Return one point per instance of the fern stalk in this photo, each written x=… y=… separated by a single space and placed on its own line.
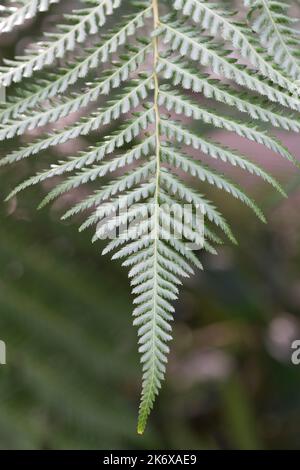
x=149 y=389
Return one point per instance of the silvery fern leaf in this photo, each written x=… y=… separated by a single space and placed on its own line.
x=18 y=16
x=140 y=79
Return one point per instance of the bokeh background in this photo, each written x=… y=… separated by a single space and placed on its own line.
x=72 y=378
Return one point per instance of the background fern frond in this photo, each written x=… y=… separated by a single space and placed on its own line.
x=275 y=28
x=18 y=16
x=87 y=21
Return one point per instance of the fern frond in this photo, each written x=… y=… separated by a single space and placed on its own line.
x=45 y=88
x=219 y=21
x=131 y=97
x=181 y=134
x=190 y=79
x=61 y=168
x=185 y=40
x=270 y=20
x=87 y=21
x=127 y=182
x=18 y=16
x=176 y=187
x=204 y=173
x=111 y=79
x=173 y=100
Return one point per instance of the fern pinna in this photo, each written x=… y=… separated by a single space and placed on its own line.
x=135 y=79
